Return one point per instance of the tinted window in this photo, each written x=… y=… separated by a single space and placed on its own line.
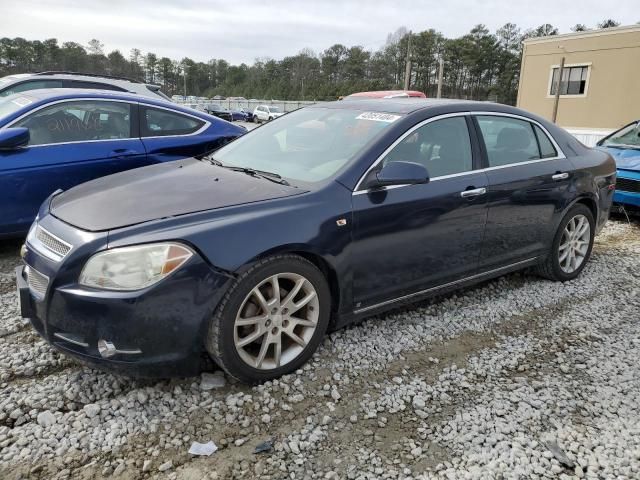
x=157 y=122
x=508 y=140
x=31 y=85
x=443 y=147
x=78 y=122
x=547 y=150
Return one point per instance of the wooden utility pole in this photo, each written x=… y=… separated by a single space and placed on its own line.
x=440 y=76
x=407 y=68
x=557 y=99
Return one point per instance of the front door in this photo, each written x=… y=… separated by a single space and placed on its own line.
x=415 y=237
x=528 y=186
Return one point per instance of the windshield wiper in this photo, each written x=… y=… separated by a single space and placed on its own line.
x=621 y=146
x=274 y=177
x=271 y=176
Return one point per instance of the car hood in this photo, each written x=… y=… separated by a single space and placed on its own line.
x=160 y=191
x=626 y=158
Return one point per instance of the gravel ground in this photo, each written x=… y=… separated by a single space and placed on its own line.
x=516 y=378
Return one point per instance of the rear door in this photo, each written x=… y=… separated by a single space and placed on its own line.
x=170 y=135
x=529 y=178
x=71 y=142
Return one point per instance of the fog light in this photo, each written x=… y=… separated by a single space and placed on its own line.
x=106 y=349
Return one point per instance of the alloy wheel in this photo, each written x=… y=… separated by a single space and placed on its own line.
x=276 y=321
x=574 y=244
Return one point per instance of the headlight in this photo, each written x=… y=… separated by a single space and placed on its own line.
x=132 y=268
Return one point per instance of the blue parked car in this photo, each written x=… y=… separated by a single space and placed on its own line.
x=624 y=146
x=331 y=213
x=55 y=139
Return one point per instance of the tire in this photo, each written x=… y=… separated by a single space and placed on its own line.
x=270 y=118
x=256 y=119
x=238 y=349
x=552 y=267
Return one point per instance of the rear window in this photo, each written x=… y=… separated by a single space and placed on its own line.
x=158 y=122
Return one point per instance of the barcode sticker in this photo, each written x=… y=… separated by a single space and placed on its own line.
x=378 y=117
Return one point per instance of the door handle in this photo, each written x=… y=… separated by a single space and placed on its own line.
x=559 y=176
x=473 y=193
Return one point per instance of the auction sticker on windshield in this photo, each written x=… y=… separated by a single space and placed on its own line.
x=378 y=117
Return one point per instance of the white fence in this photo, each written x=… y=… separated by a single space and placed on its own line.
x=588 y=136
x=248 y=105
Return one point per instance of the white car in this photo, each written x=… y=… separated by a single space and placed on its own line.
x=265 y=113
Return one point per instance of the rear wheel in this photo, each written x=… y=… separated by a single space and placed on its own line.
x=272 y=319
x=571 y=247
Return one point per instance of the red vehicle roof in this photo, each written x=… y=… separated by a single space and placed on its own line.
x=389 y=94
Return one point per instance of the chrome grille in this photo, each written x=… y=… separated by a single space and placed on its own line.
x=37 y=282
x=51 y=243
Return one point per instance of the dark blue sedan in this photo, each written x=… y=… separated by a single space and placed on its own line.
x=55 y=139
x=332 y=213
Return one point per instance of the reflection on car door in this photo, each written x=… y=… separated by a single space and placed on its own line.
x=415 y=237
x=528 y=183
x=71 y=143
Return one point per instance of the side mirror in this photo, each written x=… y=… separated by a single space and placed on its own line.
x=14 y=138
x=397 y=173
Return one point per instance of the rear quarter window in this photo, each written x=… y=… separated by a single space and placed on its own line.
x=157 y=122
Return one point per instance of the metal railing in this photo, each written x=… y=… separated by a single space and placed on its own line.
x=248 y=105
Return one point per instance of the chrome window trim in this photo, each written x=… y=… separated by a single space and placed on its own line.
x=559 y=156
x=206 y=125
x=444 y=285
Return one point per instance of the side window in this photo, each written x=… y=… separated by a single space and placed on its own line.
x=547 y=150
x=158 y=123
x=443 y=147
x=31 y=85
x=78 y=122
x=508 y=140
x=94 y=85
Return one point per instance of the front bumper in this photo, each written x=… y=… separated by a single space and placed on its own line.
x=159 y=331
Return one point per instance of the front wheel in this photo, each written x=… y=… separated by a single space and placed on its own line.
x=271 y=320
x=571 y=247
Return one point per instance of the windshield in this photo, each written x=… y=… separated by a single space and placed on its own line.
x=627 y=136
x=309 y=145
x=12 y=104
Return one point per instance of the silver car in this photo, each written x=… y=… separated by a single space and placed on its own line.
x=32 y=81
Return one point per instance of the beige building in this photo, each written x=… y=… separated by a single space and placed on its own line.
x=600 y=88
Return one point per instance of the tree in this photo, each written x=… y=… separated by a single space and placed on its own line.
x=579 y=27
x=95 y=47
x=608 y=23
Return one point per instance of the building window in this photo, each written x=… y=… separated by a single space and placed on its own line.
x=574 y=80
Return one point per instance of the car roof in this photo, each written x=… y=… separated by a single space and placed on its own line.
x=408 y=105
x=387 y=93
x=48 y=94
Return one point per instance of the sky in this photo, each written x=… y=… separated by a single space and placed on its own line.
x=241 y=31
